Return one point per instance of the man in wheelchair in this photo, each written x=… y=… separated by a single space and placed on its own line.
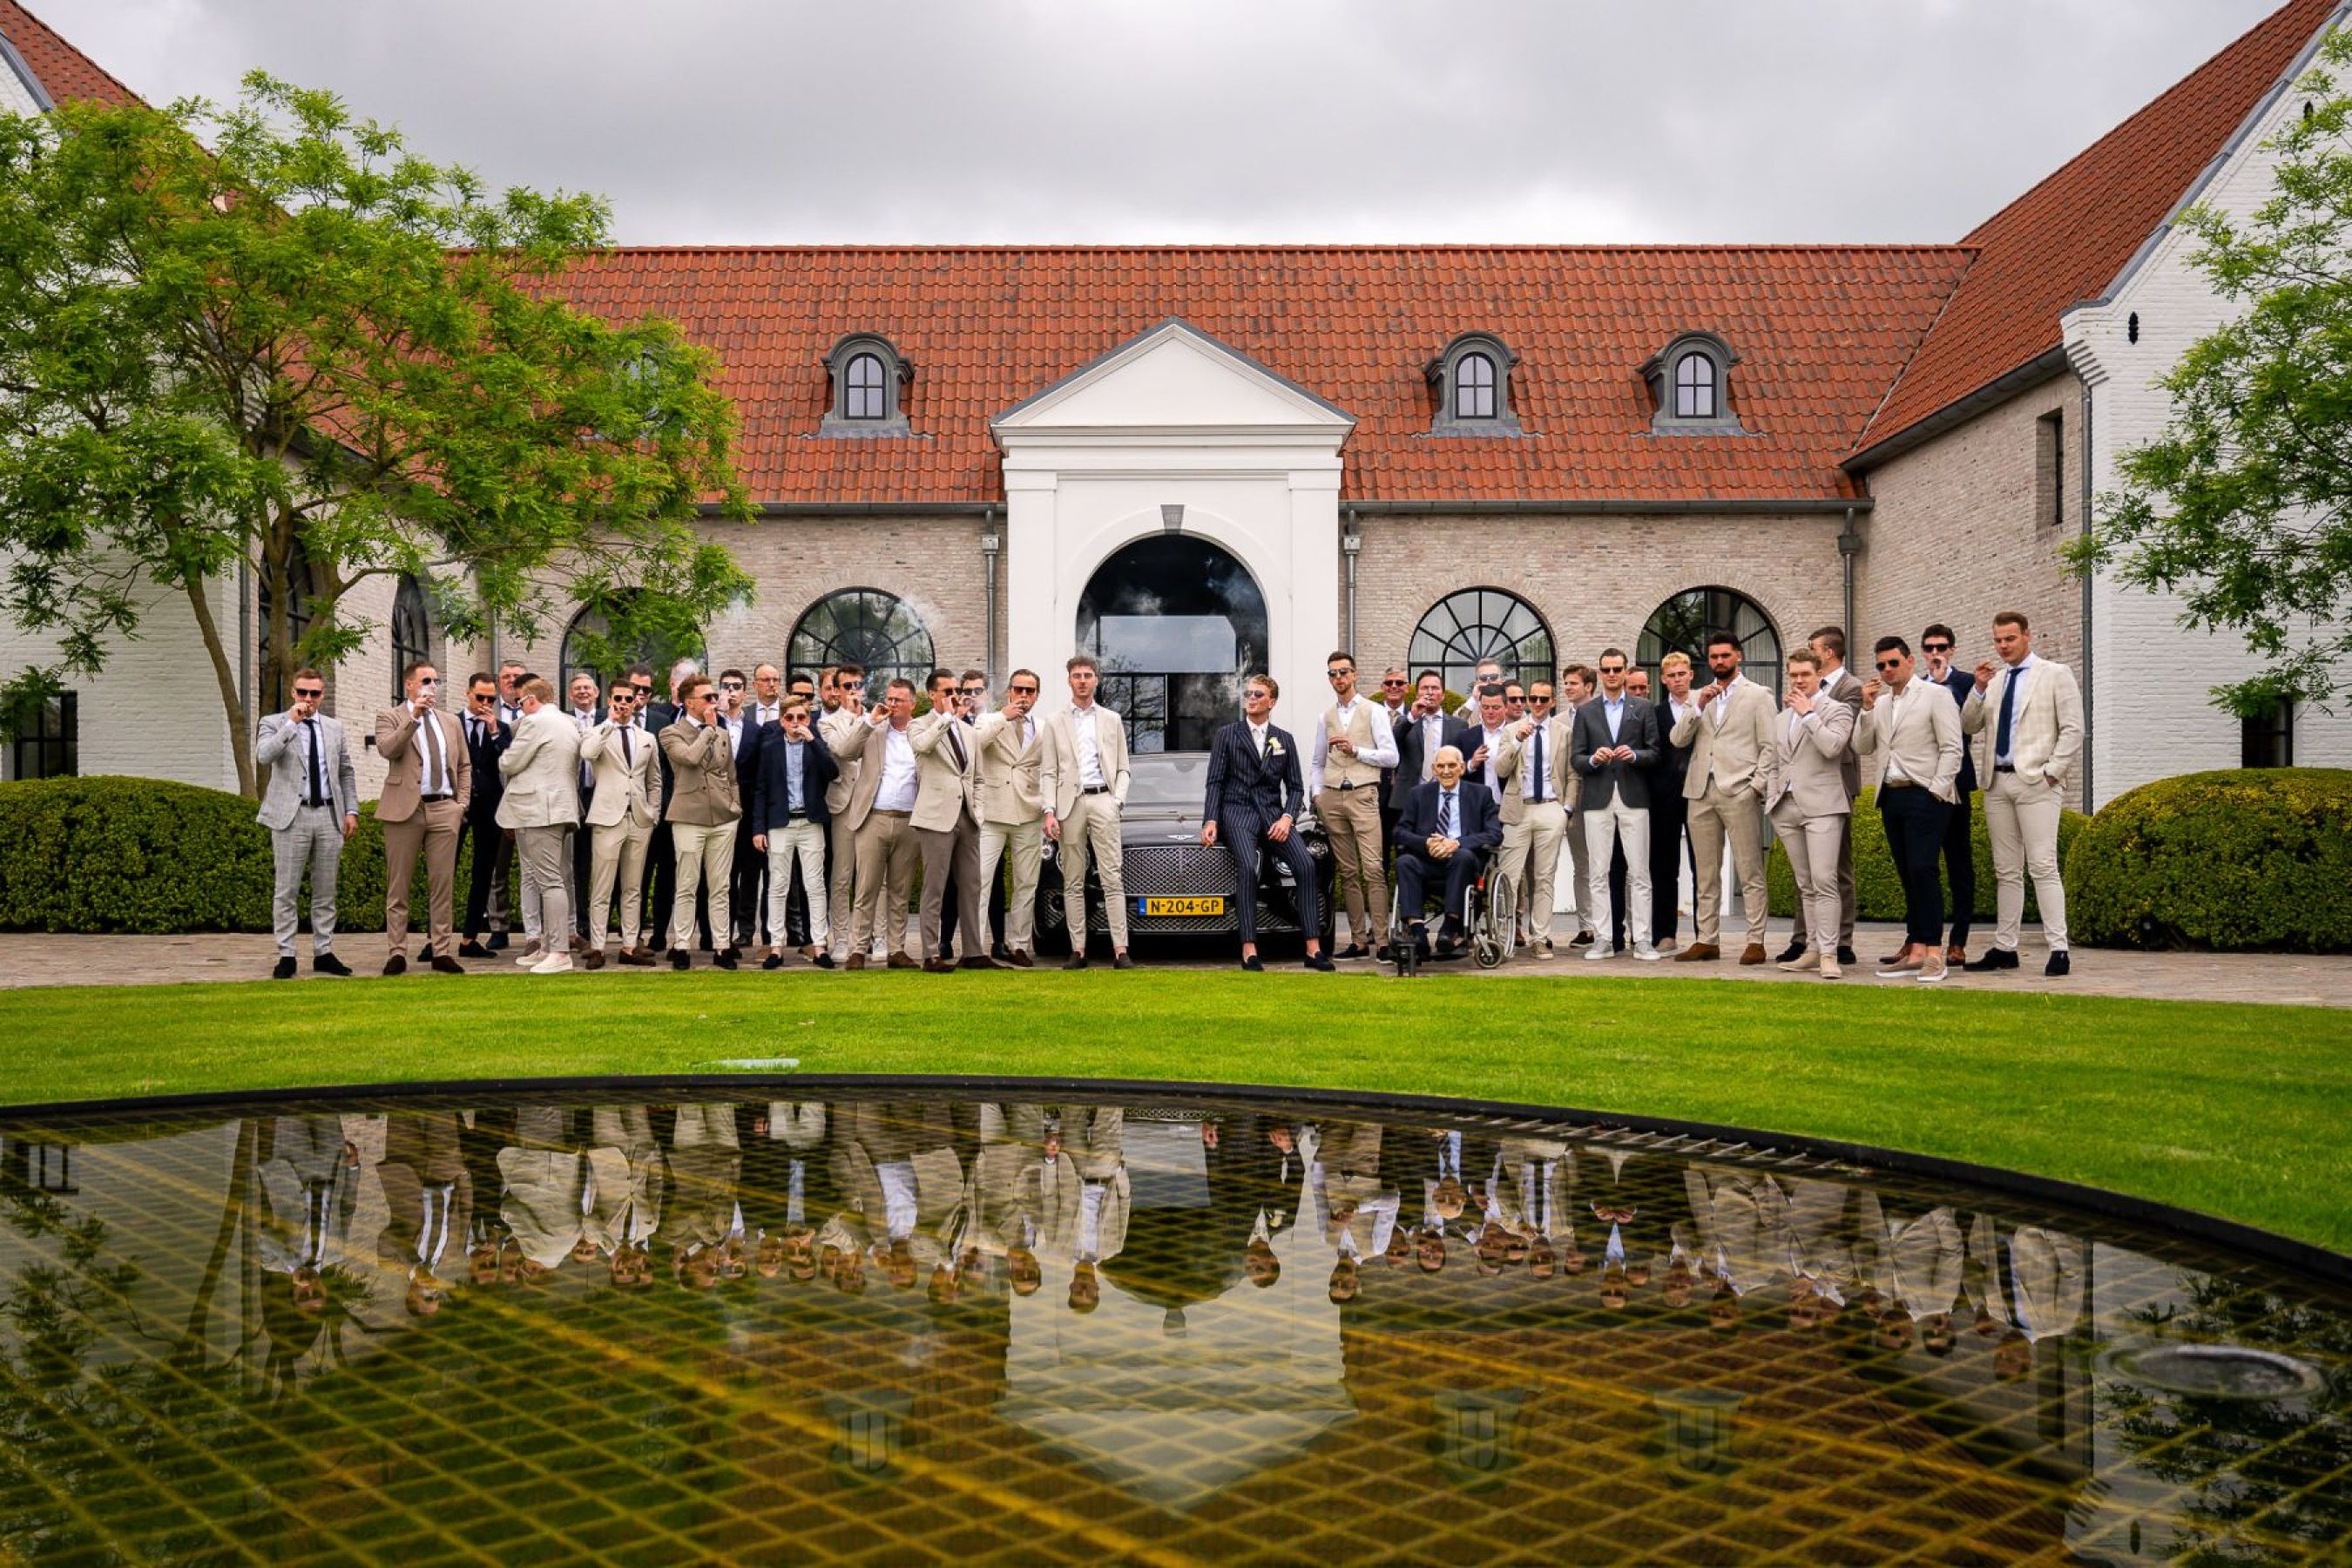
x=1449 y=827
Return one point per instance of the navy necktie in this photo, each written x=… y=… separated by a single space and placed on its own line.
x=1536 y=794
x=1445 y=816
x=317 y=765
x=2008 y=708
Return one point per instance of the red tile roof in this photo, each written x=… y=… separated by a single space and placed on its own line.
x=2067 y=238
x=1819 y=331
x=65 y=71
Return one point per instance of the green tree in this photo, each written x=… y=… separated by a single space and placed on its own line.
x=269 y=339
x=2244 y=505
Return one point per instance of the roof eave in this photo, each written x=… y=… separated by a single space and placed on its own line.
x=2051 y=362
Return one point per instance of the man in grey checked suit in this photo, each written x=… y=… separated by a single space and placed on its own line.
x=311 y=805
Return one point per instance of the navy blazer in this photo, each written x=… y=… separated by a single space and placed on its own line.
x=772 y=784
x=1242 y=784
x=1637 y=727
x=482 y=805
x=1959 y=683
x=1481 y=824
x=1673 y=765
x=1408 y=757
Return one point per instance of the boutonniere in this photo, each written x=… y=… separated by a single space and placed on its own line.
x=1273 y=747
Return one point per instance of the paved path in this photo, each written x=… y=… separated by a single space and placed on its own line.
x=40 y=960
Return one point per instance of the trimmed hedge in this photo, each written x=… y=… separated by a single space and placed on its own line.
x=2239 y=859
x=150 y=858
x=1878 y=892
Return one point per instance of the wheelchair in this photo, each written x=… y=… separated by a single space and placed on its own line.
x=1490 y=919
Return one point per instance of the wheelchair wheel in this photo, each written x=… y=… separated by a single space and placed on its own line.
x=1503 y=915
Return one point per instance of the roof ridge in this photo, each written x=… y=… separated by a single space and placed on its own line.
x=57 y=40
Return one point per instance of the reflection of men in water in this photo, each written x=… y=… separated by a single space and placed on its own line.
x=306 y=1169
x=1921 y=1260
x=1740 y=1215
x=623 y=1200
x=2025 y=1290
x=786 y=1184
x=428 y=1200
x=541 y=1207
x=699 y=1223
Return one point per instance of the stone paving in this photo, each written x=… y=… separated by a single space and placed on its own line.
x=43 y=959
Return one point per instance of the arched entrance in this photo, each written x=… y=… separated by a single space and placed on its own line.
x=1176 y=622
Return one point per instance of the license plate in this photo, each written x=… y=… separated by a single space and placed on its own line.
x=1180 y=905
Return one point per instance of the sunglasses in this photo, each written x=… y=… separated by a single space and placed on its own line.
x=1890 y=664
x=975 y=691
x=428 y=680
x=1395 y=681
x=1024 y=691
x=309 y=691
x=481 y=696
x=730 y=686
x=1936 y=647
x=1336 y=674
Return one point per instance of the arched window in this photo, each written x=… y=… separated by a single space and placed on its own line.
x=412 y=630
x=1474 y=387
x=870 y=381
x=866 y=626
x=1472 y=376
x=1694 y=387
x=1477 y=623
x=1683 y=623
x=865 y=397
x=591 y=643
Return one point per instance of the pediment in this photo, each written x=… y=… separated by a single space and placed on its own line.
x=1174 y=378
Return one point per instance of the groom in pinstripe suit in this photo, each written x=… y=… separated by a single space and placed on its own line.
x=1255 y=799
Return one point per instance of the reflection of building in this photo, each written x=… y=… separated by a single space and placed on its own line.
x=1195 y=460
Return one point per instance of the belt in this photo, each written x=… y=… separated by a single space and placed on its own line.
x=1093 y=789
x=1348 y=786
x=1897 y=784
x=878 y=811
x=2004 y=767
x=428 y=799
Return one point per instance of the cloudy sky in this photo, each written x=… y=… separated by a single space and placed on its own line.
x=1132 y=121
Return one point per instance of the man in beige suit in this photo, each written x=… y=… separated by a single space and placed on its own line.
x=2035 y=711
x=704 y=806
x=428 y=780
x=880 y=816
x=1011 y=811
x=1532 y=763
x=541 y=803
x=622 y=810
x=1808 y=804
x=1353 y=743
x=947 y=826
x=1914 y=720
x=1734 y=755
x=1839 y=684
x=843 y=694
x=1082 y=779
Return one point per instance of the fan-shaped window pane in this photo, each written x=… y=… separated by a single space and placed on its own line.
x=412 y=631
x=865 y=627
x=866 y=397
x=590 y=644
x=1474 y=387
x=1694 y=387
x=1683 y=623
x=1477 y=623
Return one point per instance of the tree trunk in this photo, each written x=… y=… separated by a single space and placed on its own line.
x=240 y=738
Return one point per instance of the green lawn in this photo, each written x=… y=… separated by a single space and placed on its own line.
x=2237 y=1110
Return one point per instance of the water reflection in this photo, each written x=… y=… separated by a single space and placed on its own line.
x=924 y=1327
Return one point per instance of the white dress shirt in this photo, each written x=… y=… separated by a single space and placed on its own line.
x=430 y=781
x=1257 y=736
x=1493 y=741
x=1082 y=726
x=1894 y=700
x=896 y=791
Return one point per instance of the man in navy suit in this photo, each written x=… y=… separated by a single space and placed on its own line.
x=487 y=736
x=1253 y=802
x=1449 y=827
x=1960 y=849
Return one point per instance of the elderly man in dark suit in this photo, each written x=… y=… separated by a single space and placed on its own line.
x=1449 y=827
x=1254 y=797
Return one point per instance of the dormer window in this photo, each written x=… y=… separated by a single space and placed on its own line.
x=1473 y=378
x=1690 y=385
x=868 y=381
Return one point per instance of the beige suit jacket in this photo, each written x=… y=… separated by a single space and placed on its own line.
x=2045 y=731
x=834 y=728
x=396 y=743
x=1514 y=751
x=541 y=765
x=1924 y=735
x=626 y=783
x=1057 y=772
x=1741 y=752
x=1812 y=756
x=944 y=787
x=861 y=748
x=1009 y=789
x=702 y=772
x=1843 y=688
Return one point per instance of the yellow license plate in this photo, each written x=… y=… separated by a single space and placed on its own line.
x=1181 y=906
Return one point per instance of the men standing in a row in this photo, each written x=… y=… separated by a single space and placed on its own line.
x=1012 y=809
x=1729 y=732
x=620 y=824
x=1352 y=744
x=2035 y=711
x=881 y=816
x=541 y=803
x=1616 y=743
x=947 y=826
x=1669 y=812
x=702 y=814
x=1916 y=722
x=428 y=771
x=1254 y=800
x=487 y=735
x=1936 y=643
x=1082 y=779
x=1534 y=768
x=789 y=823
x=310 y=806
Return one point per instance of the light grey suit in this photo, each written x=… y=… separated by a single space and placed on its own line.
x=302 y=836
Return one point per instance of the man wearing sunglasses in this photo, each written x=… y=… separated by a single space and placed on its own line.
x=1012 y=809
x=1940 y=663
x=1914 y=721
x=428 y=781
x=310 y=805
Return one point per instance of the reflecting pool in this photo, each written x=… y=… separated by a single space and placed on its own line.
x=850 y=1323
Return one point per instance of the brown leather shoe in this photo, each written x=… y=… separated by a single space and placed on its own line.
x=594 y=958
x=1699 y=953
x=1753 y=954
x=982 y=961
x=637 y=957
x=936 y=966
x=1021 y=960
x=900 y=961
x=856 y=960
x=1955 y=955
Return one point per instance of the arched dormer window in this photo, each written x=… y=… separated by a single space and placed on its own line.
x=869 y=379
x=1690 y=385
x=1473 y=378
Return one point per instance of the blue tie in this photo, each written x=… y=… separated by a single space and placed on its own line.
x=2008 y=707
x=1445 y=816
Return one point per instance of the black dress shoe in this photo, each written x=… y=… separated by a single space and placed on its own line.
x=2058 y=966
x=443 y=965
x=822 y=961
x=1075 y=961
x=773 y=961
x=1320 y=961
x=470 y=948
x=1994 y=958
x=999 y=952
x=396 y=964
x=1353 y=949
x=1252 y=965
x=1845 y=956
x=1120 y=961
x=285 y=970
x=1795 y=951
x=497 y=942
x=328 y=964
x=728 y=958
x=680 y=959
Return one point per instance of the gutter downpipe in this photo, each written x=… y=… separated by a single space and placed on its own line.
x=990 y=544
x=1849 y=545
x=2090 y=753
x=1351 y=540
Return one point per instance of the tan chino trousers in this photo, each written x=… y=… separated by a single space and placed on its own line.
x=434 y=829
x=617 y=849
x=1024 y=843
x=1717 y=817
x=886 y=853
x=1090 y=834
x=1351 y=821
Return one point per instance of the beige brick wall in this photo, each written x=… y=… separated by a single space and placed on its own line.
x=1594 y=580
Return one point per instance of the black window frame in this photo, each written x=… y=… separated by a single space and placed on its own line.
x=1761 y=649
x=1690 y=388
x=52 y=737
x=412 y=630
x=813 y=644
x=2267 y=739
x=1472 y=631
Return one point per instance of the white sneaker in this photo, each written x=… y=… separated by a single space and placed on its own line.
x=1598 y=951
x=1648 y=954
x=557 y=962
x=529 y=955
